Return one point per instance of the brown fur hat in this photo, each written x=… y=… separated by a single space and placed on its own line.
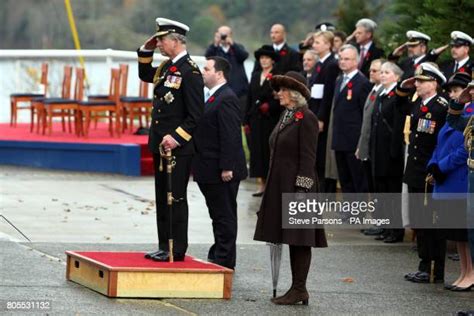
x=291 y=80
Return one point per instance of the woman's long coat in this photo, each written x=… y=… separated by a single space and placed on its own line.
x=293 y=157
x=261 y=124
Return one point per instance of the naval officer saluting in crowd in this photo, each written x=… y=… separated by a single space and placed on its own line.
x=219 y=163
x=178 y=104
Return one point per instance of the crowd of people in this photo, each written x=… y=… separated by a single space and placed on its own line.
x=362 y=97
x=339 y=111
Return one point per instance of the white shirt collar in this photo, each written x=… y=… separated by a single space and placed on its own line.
x=225 y=48
x=426 y=101
x=462 y=62
x=386 y=91
x=351 y=74
x=366 y=47
x=417 y=59
x=213 y=90
x=377 y=87
x=179 y=56
x=322 y=60
x=279 y=46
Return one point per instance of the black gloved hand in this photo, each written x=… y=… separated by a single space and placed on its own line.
x=437 y=174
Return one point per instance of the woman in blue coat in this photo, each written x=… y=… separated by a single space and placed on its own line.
x=449 y=172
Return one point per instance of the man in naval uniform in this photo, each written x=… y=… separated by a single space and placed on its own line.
x=178 y=104
x=417 y=53
x=461 y=62
x=427 y=116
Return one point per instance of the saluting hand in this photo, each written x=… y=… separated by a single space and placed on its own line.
x=150 y=43
x=399 y=50
x=227 y=175
x=408 y=83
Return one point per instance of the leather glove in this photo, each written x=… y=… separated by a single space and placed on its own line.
x=437 y=174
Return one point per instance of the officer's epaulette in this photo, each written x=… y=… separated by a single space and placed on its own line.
x=442 y=101
x=194 y=66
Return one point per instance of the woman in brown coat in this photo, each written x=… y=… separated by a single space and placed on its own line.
x=292 y=159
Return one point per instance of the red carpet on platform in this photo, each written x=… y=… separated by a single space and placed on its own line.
x=137 y=260
x=15 y=139
x=96 y=136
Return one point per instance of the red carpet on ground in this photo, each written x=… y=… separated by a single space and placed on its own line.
x=137 y=260
x=96 y=136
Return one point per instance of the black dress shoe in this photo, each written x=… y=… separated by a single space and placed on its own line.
x=422 y=277
x=258 y=194
x=381 y=237
x=448 y=286
x=453 y=256
x=392 y=240
x=465 y=313
x=462 y=289
x=151 y=254
x=373 y=231
x=164 y=257
x=411 y=275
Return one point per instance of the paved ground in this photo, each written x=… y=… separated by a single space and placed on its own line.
x=62 y=211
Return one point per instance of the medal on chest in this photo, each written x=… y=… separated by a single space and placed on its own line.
x=426 y=126
x=173 y=82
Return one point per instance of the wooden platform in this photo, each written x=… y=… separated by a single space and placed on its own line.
x=129 y=274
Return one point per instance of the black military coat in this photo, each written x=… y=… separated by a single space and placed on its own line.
x=386 y=136
x=425 y=124
x=448 y=68
x=178 y=100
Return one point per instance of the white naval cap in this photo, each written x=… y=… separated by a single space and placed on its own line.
x=167 y=26
x=429 y=72
x=459 y=38
x=415 y=38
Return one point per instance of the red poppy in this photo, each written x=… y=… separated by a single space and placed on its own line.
x=299 y=115
x=349 y=85
x=424 y=109
x=282 y=52
x=469 y=110
x=462 y=69
x=318 y=69
x=211 y=99
x=367 y=56
x=173 y=69
x=391 y=94
x=372 y=98
x=269 y=76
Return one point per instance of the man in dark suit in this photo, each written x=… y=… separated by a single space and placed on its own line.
x=177 y=107
x=219 y=164
x=352 y=89
x=461 y=62
x=364 y=36
x=235 y=53
x=321 y=84
x=289 y=58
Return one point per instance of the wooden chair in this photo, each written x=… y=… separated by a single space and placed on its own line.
x=17 y=98
x=136 y=107
x=103 y=108
x=123 y=89
x=38 y=106
x=66 y=107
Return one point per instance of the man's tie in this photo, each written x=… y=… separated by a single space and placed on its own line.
x=345 y=78
x=362 y=55
x=456 y=66
x=207 y=96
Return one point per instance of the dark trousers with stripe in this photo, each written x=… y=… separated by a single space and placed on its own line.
x=179 y=216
